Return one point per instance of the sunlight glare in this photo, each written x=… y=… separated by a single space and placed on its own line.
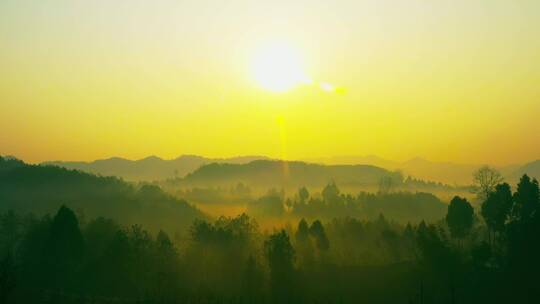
x=278 y=68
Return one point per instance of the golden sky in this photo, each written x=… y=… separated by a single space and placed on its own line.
x=454 y=80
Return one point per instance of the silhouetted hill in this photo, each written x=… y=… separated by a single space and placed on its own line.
x=42 y=189
x=150 y=168
x=274 y=173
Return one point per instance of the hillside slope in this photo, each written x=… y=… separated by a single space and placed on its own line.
x=42 y=189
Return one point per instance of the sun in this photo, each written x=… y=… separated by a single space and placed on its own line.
x=278 y=67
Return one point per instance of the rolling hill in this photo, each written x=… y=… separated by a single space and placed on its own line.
x=150 y=168
x=43 y=189
x=287 y=174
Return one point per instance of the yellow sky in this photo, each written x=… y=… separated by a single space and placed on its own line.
x=446 y=80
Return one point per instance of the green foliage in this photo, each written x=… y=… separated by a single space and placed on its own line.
x=496 y=209
x=433 y=245
x=460 y=217
x=523 y=248
x=280 y=256
x=64 y=247
x=526 y=199
x=317 y=231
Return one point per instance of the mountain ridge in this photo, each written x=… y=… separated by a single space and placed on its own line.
x=152 y=167
x=440 y=171
x=149 y=168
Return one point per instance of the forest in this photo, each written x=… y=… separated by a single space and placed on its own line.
x=58 y=244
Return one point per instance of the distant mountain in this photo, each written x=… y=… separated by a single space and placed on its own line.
x=154 y=168
x=274 y=173
x=532 y=169
x=444 y=172
x=372 y=160
x=43 y=189
x=150 y=168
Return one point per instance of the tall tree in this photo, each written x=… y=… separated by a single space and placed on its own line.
x=304 y=246
x=496 y=209
x=280 y=256
x=526 y=198
x=523 y=247
x=302 y=232
x=330 y=193
x=321 y=240
x=166 y=267
x=459 y=217
x=64 y=249
x=485 y=180
x=303 y=194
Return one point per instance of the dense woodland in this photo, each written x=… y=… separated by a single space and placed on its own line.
x=342 y=248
